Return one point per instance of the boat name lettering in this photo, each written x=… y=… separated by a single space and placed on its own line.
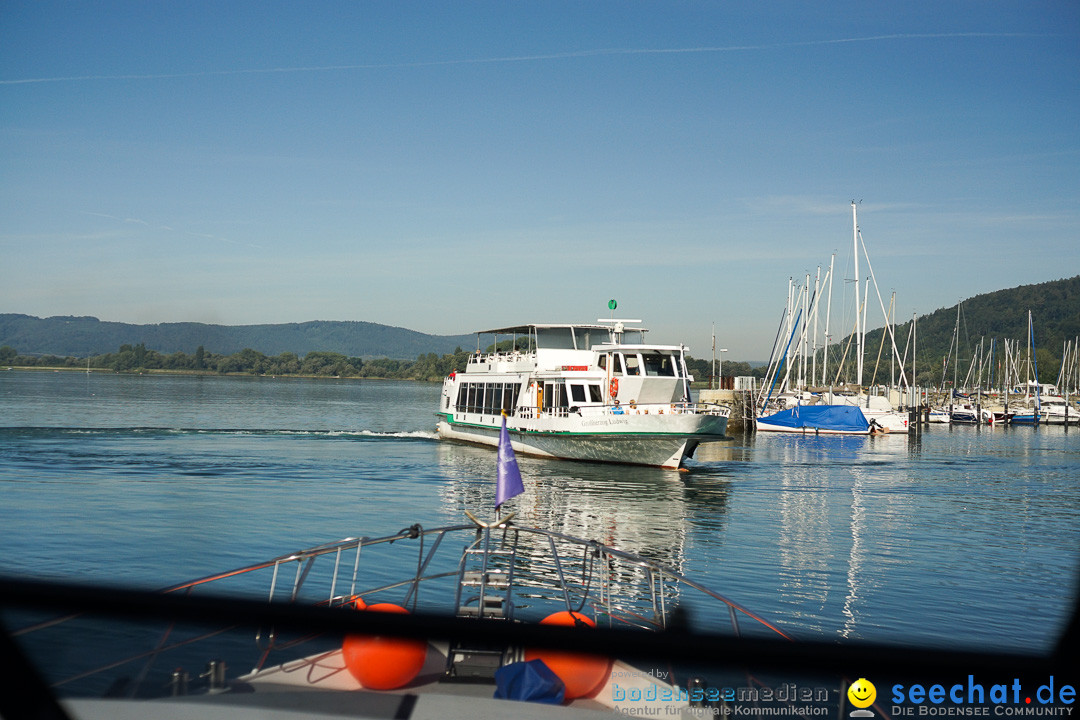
x=575 y=368
x=604 y=421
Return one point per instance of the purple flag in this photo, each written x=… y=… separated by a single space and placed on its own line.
x=509 y=482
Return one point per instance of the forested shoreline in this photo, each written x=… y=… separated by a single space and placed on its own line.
x=140 y=359
x=427 y=367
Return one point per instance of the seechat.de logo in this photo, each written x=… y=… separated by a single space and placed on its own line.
x=862 y=694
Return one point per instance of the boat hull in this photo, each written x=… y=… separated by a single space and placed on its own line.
x=658 y=441
x=763 y=426
x=1059 y=413
x=816 y=420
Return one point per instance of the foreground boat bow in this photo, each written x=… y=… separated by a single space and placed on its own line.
x=477 y=598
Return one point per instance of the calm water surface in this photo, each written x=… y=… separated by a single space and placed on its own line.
x=964 y=537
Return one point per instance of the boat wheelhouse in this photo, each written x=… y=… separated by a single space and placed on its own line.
x=594 y=392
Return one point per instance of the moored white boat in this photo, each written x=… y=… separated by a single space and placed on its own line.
x=594 y=392
x=938 y=415
x=878 y=411
x=964 y=415
x=1056 y=410
x=837 y=414
x=816 y=420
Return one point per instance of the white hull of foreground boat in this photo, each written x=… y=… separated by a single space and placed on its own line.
x=499 y=573
x=655 y=440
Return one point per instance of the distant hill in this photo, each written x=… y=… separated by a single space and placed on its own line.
x=1055 y=315
x=1055 y=308
x=82 y=336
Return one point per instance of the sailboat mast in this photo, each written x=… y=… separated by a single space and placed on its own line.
x=858 y=300
x=1027 y=372
x=817 y=304
x=805 y=336
x=914 y=348
x=828 y=314
x=712 y=379
x=1035 y=364
x=956 y=343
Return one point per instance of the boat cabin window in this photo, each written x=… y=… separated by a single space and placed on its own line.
x=490 y=398
x=554 y=395
x=660 y=364
x=633 y=365
x=555 y=338
x=616 y=363
x=586 y=393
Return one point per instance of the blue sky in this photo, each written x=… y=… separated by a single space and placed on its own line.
x=449 y=167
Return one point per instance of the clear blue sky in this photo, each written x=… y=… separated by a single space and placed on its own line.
x=449 y=167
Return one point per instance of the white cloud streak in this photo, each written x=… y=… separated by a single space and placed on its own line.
x=601 y=52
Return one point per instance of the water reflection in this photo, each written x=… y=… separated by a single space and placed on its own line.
x=818 y=534
x=646 y=511
x=934 y=538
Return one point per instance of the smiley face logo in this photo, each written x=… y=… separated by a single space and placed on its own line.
x=862 y=693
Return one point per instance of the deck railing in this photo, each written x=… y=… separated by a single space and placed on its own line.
x=550 y=571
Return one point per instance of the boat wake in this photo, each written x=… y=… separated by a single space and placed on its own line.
x=268 y=432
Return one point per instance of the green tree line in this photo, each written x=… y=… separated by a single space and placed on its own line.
x=428 y=366
x=139 y=358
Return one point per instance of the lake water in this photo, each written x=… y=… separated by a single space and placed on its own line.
x=963 y=537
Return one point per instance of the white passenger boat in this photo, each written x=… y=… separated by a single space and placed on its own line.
x=593 y=392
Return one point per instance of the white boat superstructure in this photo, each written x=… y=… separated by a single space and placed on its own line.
x=593 y=392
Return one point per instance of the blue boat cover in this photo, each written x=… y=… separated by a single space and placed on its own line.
x=532 y=681
x=837 y=418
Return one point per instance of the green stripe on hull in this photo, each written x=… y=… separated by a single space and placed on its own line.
x=635 y=448
x=701 y=435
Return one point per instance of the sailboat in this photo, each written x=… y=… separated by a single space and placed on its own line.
x=1031 y=417
x=834 y=413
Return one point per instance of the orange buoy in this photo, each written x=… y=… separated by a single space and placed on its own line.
x=582 y=674
x=383 y=663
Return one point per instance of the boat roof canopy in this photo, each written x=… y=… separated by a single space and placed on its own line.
x=525 y=329
x=572 y=336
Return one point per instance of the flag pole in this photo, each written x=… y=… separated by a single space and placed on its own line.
x=508 y=477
